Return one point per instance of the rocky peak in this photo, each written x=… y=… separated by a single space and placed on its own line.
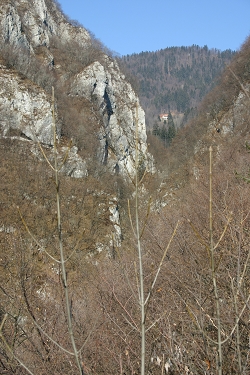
x=31 y=24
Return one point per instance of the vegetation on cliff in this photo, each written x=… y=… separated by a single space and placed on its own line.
x=187 y=293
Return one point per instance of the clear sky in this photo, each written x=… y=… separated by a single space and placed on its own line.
x=128 y=26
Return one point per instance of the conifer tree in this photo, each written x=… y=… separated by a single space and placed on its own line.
x=171 y=128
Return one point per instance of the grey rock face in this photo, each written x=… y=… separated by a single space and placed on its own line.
x=32 y=24
x=118 y=105
x=236 y=116
x=74 y=166
x=232 y=121
x=24 y=107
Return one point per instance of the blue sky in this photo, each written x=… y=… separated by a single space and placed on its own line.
x=128 y=26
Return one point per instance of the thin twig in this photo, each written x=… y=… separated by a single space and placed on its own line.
x=161 y=262
x=8 y=348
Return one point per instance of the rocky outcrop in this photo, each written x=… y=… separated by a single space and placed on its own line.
x=33 y=28
x=236 y=117
x=25 y=108
x=32 y=24
x=118 y=105
x=230 y=123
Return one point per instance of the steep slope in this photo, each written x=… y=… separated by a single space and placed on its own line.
x=32 y=25
x=96 y=112
x=25 y=108
x=223 y=115
x=195 y=245
x=40 y=44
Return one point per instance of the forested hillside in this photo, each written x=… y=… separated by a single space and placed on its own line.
x=175 y=78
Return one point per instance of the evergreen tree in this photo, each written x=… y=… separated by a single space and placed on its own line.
x=156 y=129
x=171 y=133
x=164 y=135
x=171 y=128
x=170 y=119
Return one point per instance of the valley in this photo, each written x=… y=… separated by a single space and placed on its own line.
x=124 y=248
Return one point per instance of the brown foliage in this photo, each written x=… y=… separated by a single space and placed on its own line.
x=182 y=310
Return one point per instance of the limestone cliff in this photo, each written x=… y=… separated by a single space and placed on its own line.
x=30 y=28
x=32 y=23
x=25 y=108
x=41 y=48
x=117 y=105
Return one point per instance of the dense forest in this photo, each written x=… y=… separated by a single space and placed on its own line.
x=176 y=78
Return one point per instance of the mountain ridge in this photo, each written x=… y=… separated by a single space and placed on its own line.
x=175 y=78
